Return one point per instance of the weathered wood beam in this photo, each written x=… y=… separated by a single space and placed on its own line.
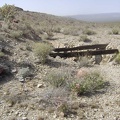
x=84 y=53
x=100 y=46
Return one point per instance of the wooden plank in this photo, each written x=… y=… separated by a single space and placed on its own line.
x=100 y=46
x=84 y=53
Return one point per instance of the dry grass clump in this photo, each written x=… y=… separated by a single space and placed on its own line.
x=42 y=50
x=88 y=84
x=89 y=32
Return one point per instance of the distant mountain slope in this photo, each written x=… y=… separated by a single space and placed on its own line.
x=103 y=17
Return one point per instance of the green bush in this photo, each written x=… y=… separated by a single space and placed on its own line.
x=115 y=31
x=117 y=59
x=84 y=38
x=59 y=77
x=89 y=32
x=90 y=83
x=56 y=78
x=2 y=54
x=42 y=50
x=16 y=34
x=8 y=11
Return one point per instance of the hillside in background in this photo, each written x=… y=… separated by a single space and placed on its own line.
x=103 y=17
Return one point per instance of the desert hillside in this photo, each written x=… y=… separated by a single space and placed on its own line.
x=101 y=17
x=36 y=86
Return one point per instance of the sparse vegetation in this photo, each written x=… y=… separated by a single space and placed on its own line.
x=89 y=84
x=117 y=59
x=115 y=31
x=16 y=34
x=42 y=50
x=8 y=12
x=2 y=54
x=89 y=32
x=58 y=78
x=54 y=87
x=84 y=38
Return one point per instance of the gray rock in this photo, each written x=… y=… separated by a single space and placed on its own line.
x=23 y=73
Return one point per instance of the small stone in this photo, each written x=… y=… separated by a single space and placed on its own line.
x=14 y=71
x=75 y=105
x=21 y=79
x=62 y=114
x=15 y=53
x=55 y=116
x=40 y=85
x=17 y=113
x=82 y=72
x=24 y=118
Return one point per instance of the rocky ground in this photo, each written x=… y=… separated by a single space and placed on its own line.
x=23 y=90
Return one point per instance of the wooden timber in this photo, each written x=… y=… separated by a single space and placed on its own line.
x=84 y=53
x=96 y=46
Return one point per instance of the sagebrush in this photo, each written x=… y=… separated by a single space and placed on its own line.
x=42 y=50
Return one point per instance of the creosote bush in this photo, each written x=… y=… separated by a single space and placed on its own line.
x=58 y=78
x=8 y=12
x=89 y=84
x=2 y=54
x=115 y=31
x=89 y=32
x=117 y=59
x=42 y=50
x=84 y=38
x=16 y=34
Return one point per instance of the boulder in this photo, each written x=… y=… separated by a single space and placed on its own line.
x=82 y=72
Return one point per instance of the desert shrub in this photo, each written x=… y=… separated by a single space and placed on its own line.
x=54 y=97
x=117 y=59
x=1 y=37
x=89 y=32
x=89 y=84
x=2 y=54
x=74 y=33
x=82 y=61
x=66 y=31
x=84 y=38
x=56 y=78
x=56 y=29
x=110 y=33
x=59 y=77
x=42 y=50
x=16 y=34
x=115 y=31
x=8 y=11
x=6 y=26
x=49 y=35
